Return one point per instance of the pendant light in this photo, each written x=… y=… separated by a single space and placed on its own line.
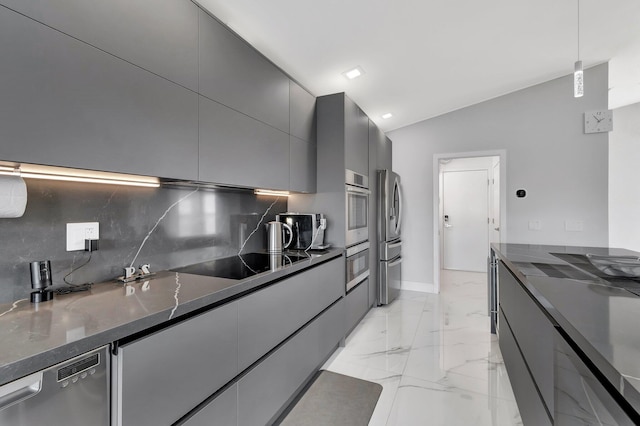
x=578 y=74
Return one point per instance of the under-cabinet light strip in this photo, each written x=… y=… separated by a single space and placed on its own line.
x=4 y=170
x=271 y=192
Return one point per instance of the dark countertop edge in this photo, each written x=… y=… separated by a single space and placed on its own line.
x=35 y=362
x=615 y=378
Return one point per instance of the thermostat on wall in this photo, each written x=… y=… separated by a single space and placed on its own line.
x=521 y=193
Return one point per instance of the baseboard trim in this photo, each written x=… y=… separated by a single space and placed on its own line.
x=418 y=286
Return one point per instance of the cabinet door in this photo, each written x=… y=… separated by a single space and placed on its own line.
x=267 y=389
x=76 y=106
x=238 y=150
x=222 y=411
x=160 y=36
x=357 y=304
x=302 y=169
x=267 y=317
x=530 y=405
x=302 y=107
x=236 y=75
x=164 y=376
x=356 y=138
x=532 y=330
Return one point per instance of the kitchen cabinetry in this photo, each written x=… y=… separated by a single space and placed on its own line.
x=238 y=150
x=302 y=165
x=160 y=378
x=222 y=410
x=302 y=113
x=236 y=75
x=69 y=104
x=357 y=304
x=160 y=36
x=266 y=390
x=533 y=334
x=269 y=316
x=356 y=138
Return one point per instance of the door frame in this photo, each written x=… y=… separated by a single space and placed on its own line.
x=502 y=154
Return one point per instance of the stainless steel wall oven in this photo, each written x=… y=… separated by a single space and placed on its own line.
x=357 y=269
x=357 y=208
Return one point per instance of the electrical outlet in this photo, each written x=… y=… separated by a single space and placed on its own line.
x=78 y=232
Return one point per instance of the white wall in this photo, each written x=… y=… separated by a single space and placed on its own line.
x=541 y=128
x=624 y=179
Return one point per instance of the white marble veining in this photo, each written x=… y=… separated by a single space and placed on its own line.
x=435 y=357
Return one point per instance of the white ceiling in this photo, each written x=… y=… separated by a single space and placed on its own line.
x=423 y=58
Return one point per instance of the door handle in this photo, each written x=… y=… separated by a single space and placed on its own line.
x=496 y=229
x=20 y=390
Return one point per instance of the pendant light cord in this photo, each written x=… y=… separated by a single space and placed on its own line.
x=578 y=29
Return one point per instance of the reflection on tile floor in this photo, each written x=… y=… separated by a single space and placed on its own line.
x=435 y=357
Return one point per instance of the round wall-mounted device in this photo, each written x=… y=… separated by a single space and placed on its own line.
x=521 y=193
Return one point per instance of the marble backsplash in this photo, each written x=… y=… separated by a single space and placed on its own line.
x=166 y=227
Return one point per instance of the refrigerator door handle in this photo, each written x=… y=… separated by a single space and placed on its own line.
x=395 y=262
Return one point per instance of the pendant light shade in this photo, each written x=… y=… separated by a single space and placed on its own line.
x=578 y=80
x=578 y=74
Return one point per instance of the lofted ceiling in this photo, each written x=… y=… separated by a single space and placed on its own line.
x=423 y=58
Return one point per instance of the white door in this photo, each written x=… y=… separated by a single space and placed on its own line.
x=465 y=217
x=494 y=229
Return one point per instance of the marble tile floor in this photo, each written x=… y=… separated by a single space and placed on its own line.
x=435 y=357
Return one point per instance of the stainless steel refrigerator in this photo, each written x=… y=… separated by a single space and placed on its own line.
x=389 y=236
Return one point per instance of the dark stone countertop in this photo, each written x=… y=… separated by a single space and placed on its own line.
x=36 y=336
x=600 y=314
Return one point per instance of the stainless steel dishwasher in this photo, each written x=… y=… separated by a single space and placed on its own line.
x=74 y=392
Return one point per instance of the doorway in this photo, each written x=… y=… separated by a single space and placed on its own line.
x=469 y=199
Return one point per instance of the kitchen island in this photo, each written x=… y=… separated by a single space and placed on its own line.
x=569 y=334
x=166 y=333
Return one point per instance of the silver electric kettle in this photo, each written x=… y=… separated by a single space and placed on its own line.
x=275 y=236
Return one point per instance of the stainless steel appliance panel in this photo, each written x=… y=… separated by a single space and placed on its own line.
x=75 y=392
x=390 y=279
x=357 y=262
x=390 y=250
x=357 y=215
x=308 y=229
x=390 y=205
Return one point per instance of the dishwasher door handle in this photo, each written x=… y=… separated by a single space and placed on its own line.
x=19 y=390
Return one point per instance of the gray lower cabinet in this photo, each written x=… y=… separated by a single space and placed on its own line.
x=269 y=316
x=70 y=104
x=302 y=169
x=158 y=35
x=238 y=150
x=357 y=304
x=233 y=73
x=532 y=330
x=530 y=405
x=162 y=377
x=265 y=391
x=302 y=113
x=356 y=138
x=221 y=411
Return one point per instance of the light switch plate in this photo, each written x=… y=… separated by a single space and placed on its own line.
x=573 y=225
x=535 y=225
x=78 y=232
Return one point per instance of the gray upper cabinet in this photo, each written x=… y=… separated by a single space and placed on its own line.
x=302 y=105
x=69 y=104
x=302 y=172
x=356 y=138
x=236 y=75
x=238 y=150
x=158 y=35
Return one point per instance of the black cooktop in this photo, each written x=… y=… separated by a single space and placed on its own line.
x=241 y=266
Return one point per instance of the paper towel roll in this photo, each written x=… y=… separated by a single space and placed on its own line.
x=13 y=196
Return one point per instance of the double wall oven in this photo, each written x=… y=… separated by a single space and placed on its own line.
x=357 y=228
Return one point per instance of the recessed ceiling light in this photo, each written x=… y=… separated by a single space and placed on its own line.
x=387 y=115
x=353 y=73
